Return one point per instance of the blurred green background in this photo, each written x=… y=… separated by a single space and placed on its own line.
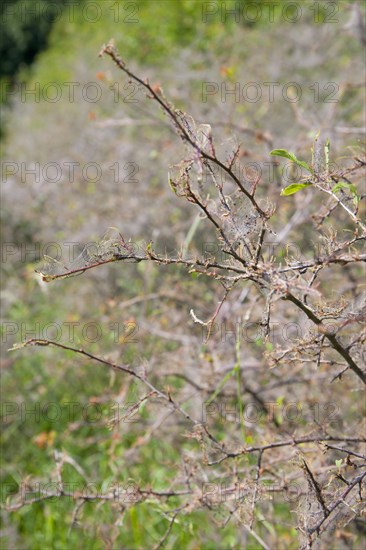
x=178 y=45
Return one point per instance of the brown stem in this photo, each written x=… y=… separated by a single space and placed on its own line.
x=111 y=50
x=331 y=337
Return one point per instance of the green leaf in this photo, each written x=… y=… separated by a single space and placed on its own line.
x=343 y=185
x=351 y=187
x=294 y=188
x=287 y=155
x=172 y=185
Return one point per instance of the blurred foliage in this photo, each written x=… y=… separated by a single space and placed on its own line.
x=25 y=28
x=35 y=377
x=26 y=25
